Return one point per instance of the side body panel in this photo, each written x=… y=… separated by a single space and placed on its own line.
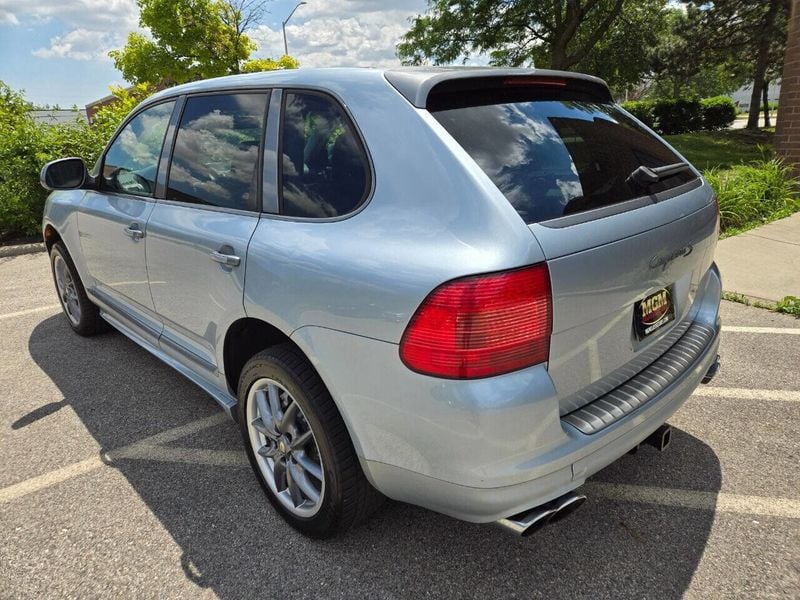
x=197 y=297
x=431 y=217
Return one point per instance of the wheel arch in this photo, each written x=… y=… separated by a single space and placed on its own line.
x=245 y=338
x=51 y=236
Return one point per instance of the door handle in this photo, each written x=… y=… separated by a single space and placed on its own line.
x=133 y=231
x=230 y=260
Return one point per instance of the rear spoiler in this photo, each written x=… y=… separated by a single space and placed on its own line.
x=437 y=88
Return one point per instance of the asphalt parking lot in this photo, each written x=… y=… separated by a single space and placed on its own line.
x=119 y=478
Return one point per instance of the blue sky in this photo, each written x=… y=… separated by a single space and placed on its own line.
x=56 y=50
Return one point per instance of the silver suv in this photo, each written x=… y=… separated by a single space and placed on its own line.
x=468 y=289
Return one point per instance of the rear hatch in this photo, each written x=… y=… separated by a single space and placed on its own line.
x=627 y=227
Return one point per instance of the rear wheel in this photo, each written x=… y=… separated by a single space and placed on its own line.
x=298 y=445
x=83 y=316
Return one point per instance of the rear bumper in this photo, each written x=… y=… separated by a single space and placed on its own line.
x=482 y=450
x=587 y=454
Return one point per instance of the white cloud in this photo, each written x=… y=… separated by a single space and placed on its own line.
x=342 y=33
x=93 y=27
x=79 y=44
x=88 y=14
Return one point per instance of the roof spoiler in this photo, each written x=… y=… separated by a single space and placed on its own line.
x=426 y=87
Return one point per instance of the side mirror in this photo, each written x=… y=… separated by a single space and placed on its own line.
x=63 y=174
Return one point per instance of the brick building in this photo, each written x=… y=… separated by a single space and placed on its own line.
x=787 y=133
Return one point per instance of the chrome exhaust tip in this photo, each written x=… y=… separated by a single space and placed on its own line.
x=531 y=521
x=712 y=371
x=661 y=438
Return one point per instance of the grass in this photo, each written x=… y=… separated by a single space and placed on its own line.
x=722 y=149
x=752 y=186
x=789 y=305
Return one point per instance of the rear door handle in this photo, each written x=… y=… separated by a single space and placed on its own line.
x=133 y=231
x=230 y=260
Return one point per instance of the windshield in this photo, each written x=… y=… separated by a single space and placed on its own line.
x=552 y=158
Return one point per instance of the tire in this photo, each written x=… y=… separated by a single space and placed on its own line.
x=345 y=497
x=82 y=315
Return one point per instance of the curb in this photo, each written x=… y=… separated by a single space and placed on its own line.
x=20 y=249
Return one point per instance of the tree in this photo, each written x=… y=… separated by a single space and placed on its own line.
x=607 y=37
x=750 y=33
x=681 y=67
x=191 y=40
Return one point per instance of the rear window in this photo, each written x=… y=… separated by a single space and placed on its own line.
x=553 y=158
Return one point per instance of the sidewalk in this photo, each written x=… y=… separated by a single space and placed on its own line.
x=763 y=263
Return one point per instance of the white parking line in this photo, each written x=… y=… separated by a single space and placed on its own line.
x=30 y=311
x=714 y=501
x=780 y=330
x=747 y=394
x=23 y=488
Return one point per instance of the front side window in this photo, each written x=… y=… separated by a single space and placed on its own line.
x=552 y=158
x=324 y=168
x=131 y=162
x=215 y=159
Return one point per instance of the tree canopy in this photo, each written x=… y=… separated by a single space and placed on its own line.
x=193 y=39
x=610 y=38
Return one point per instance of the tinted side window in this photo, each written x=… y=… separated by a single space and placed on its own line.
x=215 y=160
x=131 y=162
x=324 y=168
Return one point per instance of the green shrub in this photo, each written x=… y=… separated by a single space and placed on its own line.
x=751 y=194
x=26 y=146
x=718 y=112
x=789 y=305
x=642 y=110
x=678 y=116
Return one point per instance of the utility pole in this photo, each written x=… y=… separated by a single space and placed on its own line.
x=285 y=44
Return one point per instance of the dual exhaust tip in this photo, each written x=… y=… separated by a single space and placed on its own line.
x=531 y=521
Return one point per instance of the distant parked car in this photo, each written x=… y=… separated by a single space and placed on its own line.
x=467 y=289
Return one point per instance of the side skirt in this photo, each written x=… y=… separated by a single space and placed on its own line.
x=223 y=398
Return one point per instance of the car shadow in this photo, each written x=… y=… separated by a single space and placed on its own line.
x=233 y=542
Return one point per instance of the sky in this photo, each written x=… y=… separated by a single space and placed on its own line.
x=57 y=50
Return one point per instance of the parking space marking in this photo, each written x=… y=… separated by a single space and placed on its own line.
x=747 y=394
x=713 y=501
x=142 y=447
x=30 y=311
x=740 y=329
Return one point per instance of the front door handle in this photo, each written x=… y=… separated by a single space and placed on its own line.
x=230 y=260
x=133 y=231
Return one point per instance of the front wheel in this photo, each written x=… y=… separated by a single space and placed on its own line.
x=83 y=316
x=298 y=445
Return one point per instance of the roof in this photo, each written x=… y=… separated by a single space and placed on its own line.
x=58 y=116
x=412 y=82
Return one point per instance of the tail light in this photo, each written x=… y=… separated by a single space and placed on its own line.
x=482 y=326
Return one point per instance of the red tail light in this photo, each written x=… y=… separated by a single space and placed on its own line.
x=482 y=326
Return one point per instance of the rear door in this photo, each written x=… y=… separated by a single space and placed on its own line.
x=198 y=235
x=113 y=219
x=625 y=255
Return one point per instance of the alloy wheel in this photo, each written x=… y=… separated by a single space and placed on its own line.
x=285 y=448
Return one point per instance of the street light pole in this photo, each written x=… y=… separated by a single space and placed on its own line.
x=285 y=44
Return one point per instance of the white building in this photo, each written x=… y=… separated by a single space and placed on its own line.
x=742 y=96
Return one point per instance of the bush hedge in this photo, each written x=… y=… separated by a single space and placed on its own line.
x=683 y=116
x=26 y=145
x=718 y=112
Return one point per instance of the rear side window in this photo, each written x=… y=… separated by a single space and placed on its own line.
x=216 y=154
x=131 y=162
x=324 y=168
x=552 y=158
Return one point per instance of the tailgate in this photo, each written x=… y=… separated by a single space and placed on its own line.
x=599 y=272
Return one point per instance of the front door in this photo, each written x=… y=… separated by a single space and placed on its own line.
x=197 y=237
x=113 y=219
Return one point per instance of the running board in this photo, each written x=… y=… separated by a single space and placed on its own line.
x=225 y=400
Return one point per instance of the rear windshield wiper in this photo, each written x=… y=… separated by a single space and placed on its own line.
x=644 y=176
